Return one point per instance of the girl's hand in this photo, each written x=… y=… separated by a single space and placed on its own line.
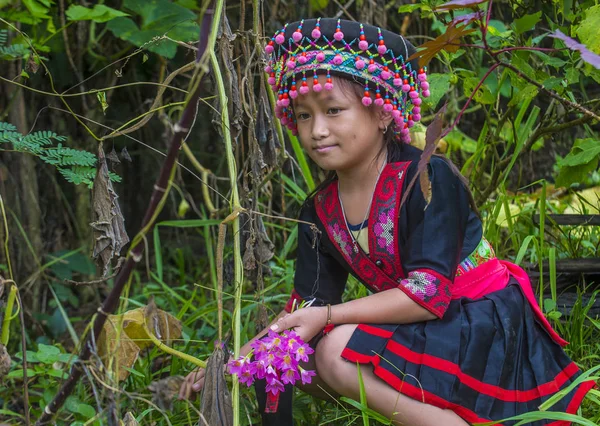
x=307 y=322
x=192 y=384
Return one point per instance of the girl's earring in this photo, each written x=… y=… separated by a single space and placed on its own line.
x=385 y=129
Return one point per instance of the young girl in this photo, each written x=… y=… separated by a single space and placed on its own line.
x=450 y=334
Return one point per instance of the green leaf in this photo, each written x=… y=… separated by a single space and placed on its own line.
x=587 y=31
x=319 y=4
x=48 y=354
x=549 y=305
x=582 y=160
x=550 y=60
x=37 y=9
x=409 y=8
x=483 y=95
x=527 y=22
x=102 y=99
x=74 y=405
x=524 y=95
x=159 y=18
x=100 y=13
x=18 y=374
x=439 y=85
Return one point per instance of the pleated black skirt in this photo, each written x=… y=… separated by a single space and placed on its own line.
x=486 y=359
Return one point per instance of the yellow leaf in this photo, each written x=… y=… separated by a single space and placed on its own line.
x=124 y=346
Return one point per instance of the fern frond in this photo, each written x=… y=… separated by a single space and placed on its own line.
x=7 y=127
x=9 y=136
x=3 y=37
x=79 y=175
x=61 y=156
x=13 y=51
x=43 y=138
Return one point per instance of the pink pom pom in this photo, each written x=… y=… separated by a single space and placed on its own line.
x=424 y=85
x=378 y=101
x=413 y=94
x=405 y=87
x=285 y=102
x=302 y=59
x=426 y=93
x=410 y=123
x=284 y=120
x=271 y=81
x=372 y=68
x=278 y=112
x=337 y=60
x=416 y=110
x=320 y=56
x=303 y=90
x=397 y=82
x=295 y=131
x=339 y=36
x=366 y=100
x=397 y=115
x=293 y=94
x=359 y=65
x=317 y=87
x=423 y=77
x=363 y=45
x=278 y=103
x=404 y=132
x=417 y=101
x=328 y=86
x=269 y=49
x=279 y=39
x=388 y=108
x=316 y=33
x=291 y=64
x=291 y=125
x=416 y=117
x=405 y=138
x=382 y=49
x=297 y=36
x=268 y=69
x=385 y=75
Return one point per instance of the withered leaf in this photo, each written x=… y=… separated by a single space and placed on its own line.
x=432 y=136
x=112 y=156
x=129 y=420
x=4 y=361
x=109 y=224
x=265 y=133
x=449 y=41
x=125 y=155
x=215 y=403
x=124 y=346
x=165 y=391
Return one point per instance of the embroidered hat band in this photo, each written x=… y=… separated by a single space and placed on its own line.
x=368 y=55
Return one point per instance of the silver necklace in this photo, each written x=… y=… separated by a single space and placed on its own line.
x=355 y=240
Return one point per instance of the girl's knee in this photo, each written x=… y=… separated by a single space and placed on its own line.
x=328 y=355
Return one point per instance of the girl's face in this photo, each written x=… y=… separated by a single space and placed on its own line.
x=336 y=130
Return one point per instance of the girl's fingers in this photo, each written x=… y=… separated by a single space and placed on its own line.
x=197 y=387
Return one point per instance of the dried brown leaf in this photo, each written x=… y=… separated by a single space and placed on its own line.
x=215 y=403
x=125 y=155
x=129 y=420
x=449 y=41
x=124 y=347
x=109 y=224
x=165 y=391
x=4 y=361
x=112 y=156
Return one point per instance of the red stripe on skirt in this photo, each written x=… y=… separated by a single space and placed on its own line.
x=497 y=392
x=375 y=331
x=584 y=388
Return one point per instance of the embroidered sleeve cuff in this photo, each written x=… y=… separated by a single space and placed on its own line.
x=429 y=289
x=293 y=302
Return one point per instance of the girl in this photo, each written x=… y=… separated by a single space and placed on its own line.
x=450 y=334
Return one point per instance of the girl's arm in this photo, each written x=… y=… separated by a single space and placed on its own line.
x=387 y=307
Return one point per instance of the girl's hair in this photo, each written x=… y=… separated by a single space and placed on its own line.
x=391 y=144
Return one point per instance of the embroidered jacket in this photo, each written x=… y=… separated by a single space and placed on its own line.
x=415 y=247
